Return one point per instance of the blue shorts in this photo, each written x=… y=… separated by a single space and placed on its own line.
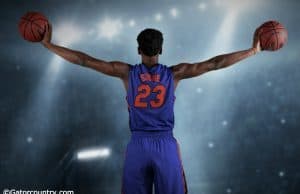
x=153 y=158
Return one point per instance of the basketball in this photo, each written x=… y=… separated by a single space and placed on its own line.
x=272 y=35
x=32 y=26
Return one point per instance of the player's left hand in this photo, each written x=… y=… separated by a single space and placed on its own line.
x=47 y=36
x=256 y=43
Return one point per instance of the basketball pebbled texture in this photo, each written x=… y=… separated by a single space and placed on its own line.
x=272 y=35
x=32 y=26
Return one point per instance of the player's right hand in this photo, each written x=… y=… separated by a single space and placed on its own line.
x=47 y=36
x=256 y=42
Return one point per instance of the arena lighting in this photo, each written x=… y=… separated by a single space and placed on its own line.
x=66 y=33
x=93 y=153
x=158 y=17
x=132 y=23
x=221 y=42
x=224 y=34
x=45 y=94
x=109 y=28
x=202 y=6
x=174 y=12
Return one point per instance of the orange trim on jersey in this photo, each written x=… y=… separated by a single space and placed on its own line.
x=182 y=171
x=122 y=180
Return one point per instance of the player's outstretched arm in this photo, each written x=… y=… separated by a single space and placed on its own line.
x=112 y=68
x=188 y=70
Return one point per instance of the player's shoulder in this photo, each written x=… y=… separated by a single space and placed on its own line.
x=134 y=66
x=140 y=66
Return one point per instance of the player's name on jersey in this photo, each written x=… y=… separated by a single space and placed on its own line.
x=149 y=77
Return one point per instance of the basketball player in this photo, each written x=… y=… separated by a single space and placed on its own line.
x=152 y=155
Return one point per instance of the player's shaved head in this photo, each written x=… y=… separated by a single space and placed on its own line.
x=150 y=41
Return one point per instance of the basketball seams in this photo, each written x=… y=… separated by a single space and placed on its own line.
x=282 y=37
x=32 y=31
x=40 y=18
x=270 y=24
x=274 y=30
x=26 y=22
x=263 y=32
x=32 y=26
x=268 y=40
x=33 y=21
x=277 y=24
x=24 y=33
x=273 y=35
x=38 y=25
x=39 y=30
x=27 y=18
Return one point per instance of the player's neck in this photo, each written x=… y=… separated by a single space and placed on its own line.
x=150 y=61
x=150 y=65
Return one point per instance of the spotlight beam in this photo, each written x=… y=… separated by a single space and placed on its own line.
x=37 y=113
x=93 y=154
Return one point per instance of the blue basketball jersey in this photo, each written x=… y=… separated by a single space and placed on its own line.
x=150 y=98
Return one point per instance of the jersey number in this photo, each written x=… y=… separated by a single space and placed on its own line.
x=144 y=91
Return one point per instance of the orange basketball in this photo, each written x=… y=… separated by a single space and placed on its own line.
x=272 y=35
x=32 y=26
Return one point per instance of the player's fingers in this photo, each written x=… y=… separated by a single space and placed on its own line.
x=50 y=29
x=46 y=30
x=49 y=26
x=47 y=34
x=257 y=33
x=256 y=43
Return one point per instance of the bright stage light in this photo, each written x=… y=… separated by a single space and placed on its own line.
x=158 y=17
x=93 y=154
x=174 y=12
x=224 y=123
x=29 y=139
x=66 y=33
x=202 y=6
x=211 y=144
x=228 y=190
x=109 y=28
x=281 y=174
x=222 y=43
x=218 y=2
x=282 y=121
x=131 y=23
x=199 y=90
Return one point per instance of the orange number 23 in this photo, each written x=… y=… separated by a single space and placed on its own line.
x=144 y=91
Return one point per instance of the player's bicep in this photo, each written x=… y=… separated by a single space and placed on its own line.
x=112 y=68
x=120 y=69
x=189 y=70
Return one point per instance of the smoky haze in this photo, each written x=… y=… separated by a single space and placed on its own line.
x=238 y=127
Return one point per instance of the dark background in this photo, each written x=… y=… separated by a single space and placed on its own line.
x=238 y=127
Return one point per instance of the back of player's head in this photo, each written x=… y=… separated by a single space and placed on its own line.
x=150 y=41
